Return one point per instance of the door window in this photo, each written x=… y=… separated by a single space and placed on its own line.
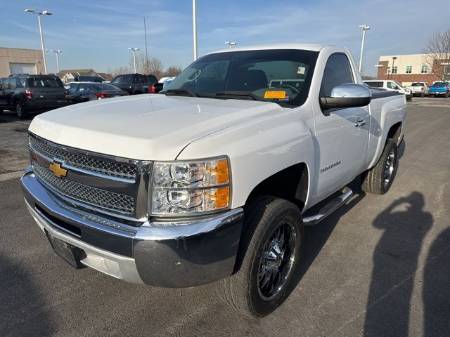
x=337 y=71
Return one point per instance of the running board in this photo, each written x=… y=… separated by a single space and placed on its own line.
x=328 y=208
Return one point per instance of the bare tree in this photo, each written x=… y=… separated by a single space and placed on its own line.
x=172 y=71
x=438 y=54
x=152 y=66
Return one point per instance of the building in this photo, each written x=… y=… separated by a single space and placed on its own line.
x=69 y=75
x=406 y=69
x=20 y=61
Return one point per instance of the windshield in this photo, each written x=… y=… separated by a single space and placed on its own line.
x=375 y=84
x=281 y=76
x=439 y=84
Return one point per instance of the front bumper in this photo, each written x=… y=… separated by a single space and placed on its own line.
x=166 y=254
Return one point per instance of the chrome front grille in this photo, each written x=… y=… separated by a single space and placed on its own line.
x=88 y=194
x=116 y=186
x=82 y=160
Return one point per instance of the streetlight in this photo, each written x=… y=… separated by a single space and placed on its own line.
x=39 y=14
x=134 y=50
x=194 y=28
x=363 y=28
x=57 y=52
x=230 y=44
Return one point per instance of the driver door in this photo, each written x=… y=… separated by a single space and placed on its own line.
x=341 y=134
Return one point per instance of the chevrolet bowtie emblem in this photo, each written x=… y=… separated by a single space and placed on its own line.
x=57 y=170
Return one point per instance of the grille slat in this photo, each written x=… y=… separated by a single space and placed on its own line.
x=101 y=168
x=91 y=195
x=84 y=161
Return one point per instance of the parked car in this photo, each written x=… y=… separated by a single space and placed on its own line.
x=31 y=93
x=215 y=177
x=390 y=85
x=134 y=83
x=3 y=100
x=88 y=91
x=155 y=88
x=439 y=89
x=419 y=89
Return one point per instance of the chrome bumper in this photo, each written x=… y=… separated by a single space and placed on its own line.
x=166 y=254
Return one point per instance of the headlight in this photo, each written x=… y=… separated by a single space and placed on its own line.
x=190 y=187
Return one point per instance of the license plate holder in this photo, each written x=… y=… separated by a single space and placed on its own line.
x=72 y=255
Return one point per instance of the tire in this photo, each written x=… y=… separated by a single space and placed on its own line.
x=247 y=291
x=378 y=179
x=446 y=95
x=422 y=95
x=20 y=110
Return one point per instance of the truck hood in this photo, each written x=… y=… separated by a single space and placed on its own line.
x=145 y=127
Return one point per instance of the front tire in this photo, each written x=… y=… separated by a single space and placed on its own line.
x=20 y=110
x=271 y=250
x=379 y=178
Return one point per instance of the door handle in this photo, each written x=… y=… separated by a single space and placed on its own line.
x=360 y=122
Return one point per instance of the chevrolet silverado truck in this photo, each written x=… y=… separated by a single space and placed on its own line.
x=215 y=177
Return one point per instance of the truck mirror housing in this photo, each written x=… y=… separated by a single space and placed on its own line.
x=347 y=96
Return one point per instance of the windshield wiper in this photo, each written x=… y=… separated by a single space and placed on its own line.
x=239 y=94
x=179 y=92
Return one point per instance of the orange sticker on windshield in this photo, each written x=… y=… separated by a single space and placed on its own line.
x=275 y=94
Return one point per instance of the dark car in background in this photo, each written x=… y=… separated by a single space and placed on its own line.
x=134 y=83
x=87 y=91
x=32 y=93
x=3 y=101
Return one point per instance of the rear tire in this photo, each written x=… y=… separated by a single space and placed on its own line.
x=270 y=255
x=20 y=110
x=379 y=178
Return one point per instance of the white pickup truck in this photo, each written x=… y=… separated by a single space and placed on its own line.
x=214 y=178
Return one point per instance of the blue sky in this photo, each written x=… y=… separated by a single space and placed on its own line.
x=96 y=34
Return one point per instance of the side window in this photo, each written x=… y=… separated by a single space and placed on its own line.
x=391 y=85
x=21 y=82
x=337 y=71
x=151 y=79
x=12 y=83
x=139 y=79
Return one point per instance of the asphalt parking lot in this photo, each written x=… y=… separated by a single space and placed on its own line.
x=378 y=267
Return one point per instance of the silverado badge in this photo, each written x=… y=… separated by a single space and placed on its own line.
x=57 y=170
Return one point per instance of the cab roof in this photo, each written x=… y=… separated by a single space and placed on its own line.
x=300 y=46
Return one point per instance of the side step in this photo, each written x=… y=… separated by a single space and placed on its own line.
x=316 y=214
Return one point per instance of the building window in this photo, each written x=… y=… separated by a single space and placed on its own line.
x=394 y=69
x=424 y=69
x=408 y=69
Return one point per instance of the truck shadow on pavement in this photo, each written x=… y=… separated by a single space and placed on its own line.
x=22 y=308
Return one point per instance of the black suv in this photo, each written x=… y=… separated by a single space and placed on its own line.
x=30 y=93
x=134 y=83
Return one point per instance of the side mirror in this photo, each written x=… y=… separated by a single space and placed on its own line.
x=347 y=96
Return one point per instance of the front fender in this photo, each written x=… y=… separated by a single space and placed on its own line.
x=257 y=150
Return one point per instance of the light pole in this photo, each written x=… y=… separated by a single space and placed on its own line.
x=57 y=52
x=194 y=28
x=230 y=44
x=39 y=14
x=363 y=28
x=134 y=50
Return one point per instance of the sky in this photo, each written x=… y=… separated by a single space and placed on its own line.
x=97 y=34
